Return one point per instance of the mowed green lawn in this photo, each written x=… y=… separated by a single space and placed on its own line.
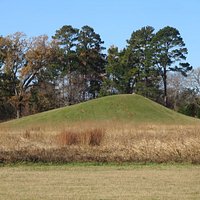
x=150 y=182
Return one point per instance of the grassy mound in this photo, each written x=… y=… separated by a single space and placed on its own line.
x=132 y=108
x=121 y=128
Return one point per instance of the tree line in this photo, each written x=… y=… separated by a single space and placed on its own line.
x=41 y=73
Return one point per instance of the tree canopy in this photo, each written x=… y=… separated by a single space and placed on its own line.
x=42 y=73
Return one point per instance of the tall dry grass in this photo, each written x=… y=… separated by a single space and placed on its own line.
x=103 y=142
x=92 y=137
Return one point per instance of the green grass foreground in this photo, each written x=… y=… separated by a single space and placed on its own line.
x=89 y=181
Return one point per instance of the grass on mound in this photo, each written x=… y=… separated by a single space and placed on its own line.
x=134 y=108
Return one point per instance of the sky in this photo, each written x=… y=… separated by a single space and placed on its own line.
x=114 y=20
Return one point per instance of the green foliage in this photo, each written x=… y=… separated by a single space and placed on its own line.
x=140 y=54
x=190 y=103
x=91 y=60
x=170 y=51
x=190 y=110
x=81 y=56
x=37 y=74
x=119 y=72
x=133 y=69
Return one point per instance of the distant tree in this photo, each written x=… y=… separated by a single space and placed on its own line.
x=133 y=68
x=193 y=79
x=6 y=109
x=40 y=74
x=14 y=48
x=2 y=57
x=24 y=60
x=91 y=61
x=37 y=74
x=190 y=103
x=170 y=51
x=120 y=74
x=140 y=54
x=67 y=40
x=183 y=96
x=176 y=85
x=81 y=63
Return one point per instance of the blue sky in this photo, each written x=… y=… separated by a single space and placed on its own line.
x=114 y=20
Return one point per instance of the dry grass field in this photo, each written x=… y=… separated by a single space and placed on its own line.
x=118 y=128
x=102 y=142
x=140 y=182
x=113 y=134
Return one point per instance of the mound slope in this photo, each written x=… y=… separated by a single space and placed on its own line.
x=134 y=108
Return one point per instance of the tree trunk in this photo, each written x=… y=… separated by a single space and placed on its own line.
x=19 y=107
x=17 y=104
x=165 y=86
x=18 y=113
x=70 y=92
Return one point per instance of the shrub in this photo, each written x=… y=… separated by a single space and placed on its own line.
x=96 y=136
x=91 y=137
x=68 y=138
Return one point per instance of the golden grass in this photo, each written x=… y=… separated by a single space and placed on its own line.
x=91 y=137
x=103 y=142
x=100 y=182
